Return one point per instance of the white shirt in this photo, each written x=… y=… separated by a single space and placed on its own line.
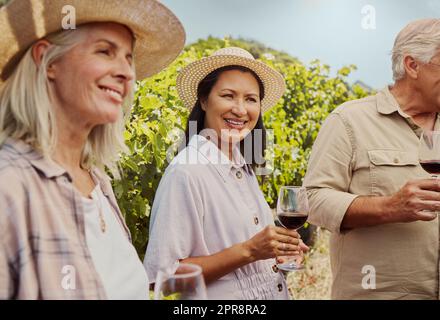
x=205 y=204
x=114 y=257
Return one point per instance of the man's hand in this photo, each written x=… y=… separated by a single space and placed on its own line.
x=417 y=200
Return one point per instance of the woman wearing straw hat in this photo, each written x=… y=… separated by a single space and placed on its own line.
x=63 y=97
x=208 y=208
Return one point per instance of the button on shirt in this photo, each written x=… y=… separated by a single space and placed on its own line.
x=369 y=147
x=205 y=204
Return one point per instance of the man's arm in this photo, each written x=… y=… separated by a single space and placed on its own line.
x=328 y=178
x=411 y=203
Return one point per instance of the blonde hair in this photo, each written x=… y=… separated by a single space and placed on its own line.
x=419 y=39
x=26 y=110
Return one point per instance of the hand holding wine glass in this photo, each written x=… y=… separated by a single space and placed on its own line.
x=292 y=212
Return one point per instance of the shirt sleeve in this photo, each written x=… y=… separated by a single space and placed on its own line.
x=9 y=207
x=329 y=174
x=5 y=279
x=176 y=223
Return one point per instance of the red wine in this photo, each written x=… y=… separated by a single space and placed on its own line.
x=431 y=166
x=292 y=220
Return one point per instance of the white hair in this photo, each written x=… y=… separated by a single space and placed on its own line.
x=26 y=110
x=419 y=39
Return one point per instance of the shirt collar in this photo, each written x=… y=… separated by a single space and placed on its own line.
x=49 y=168
x=102 y=180
x=387 y=104
x=45 y=165
x=212 y=154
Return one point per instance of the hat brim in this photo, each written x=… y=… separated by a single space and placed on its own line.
x=190 y=77
x=159 y=35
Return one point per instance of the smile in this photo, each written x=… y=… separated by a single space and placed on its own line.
x=235 y=124
x=116 y=95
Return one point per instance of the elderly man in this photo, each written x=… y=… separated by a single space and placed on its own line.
x=366 y=186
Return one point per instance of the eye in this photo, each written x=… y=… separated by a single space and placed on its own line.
x=251 y=99
x=227 y=96
x=104 y=52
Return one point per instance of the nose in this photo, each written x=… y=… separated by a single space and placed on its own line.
x=124 y=70
x=239 y=108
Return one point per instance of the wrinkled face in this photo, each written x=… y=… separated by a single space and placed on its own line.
x=91 y=81
x=428 y=83
x=233 y=105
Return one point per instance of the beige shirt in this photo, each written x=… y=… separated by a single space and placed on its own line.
x=205 y=204
x=369 y=147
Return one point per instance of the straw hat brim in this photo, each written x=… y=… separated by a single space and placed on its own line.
x=190 y=77
x=160 y=36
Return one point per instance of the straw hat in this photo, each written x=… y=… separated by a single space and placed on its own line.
x=160 y=36
x=190 y=77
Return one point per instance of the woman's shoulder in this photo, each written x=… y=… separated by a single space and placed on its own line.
x=13 y=165
x=188 y=162
x=14 y=190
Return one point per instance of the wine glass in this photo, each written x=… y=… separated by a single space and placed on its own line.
x=429 y=152
x=184 y=282
x=292 y=213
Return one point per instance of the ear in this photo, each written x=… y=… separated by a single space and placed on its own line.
x=412 y=67
x=39 y=49
x=203 y=104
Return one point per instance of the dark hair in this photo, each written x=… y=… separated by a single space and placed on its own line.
x=198 y=115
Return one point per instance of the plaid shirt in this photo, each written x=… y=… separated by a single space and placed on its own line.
x=43 y=250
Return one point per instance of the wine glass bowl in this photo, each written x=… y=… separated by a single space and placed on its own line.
x=429 y=152
x=185 y=283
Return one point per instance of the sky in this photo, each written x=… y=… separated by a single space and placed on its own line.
x=337 y=32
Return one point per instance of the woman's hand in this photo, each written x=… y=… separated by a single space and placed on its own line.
x=271 y=242
x=298 y=259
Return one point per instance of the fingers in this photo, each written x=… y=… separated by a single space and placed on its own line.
x=429 y=195
x=303 y=246
x=427 y=184
x=299 y=260
x=281 y=260
x=286 y=232
x=287 y=239
x=287 y=249
x=430 y=205
x=426 y=215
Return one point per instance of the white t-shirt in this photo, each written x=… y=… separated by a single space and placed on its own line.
x=114 y=257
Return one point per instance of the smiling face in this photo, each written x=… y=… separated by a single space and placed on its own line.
x=90 y=82
x=233 y=106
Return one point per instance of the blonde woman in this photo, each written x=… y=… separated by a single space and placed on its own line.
x=63 y=97
x=209 y=209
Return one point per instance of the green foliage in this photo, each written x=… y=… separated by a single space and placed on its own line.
x=311 y=94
